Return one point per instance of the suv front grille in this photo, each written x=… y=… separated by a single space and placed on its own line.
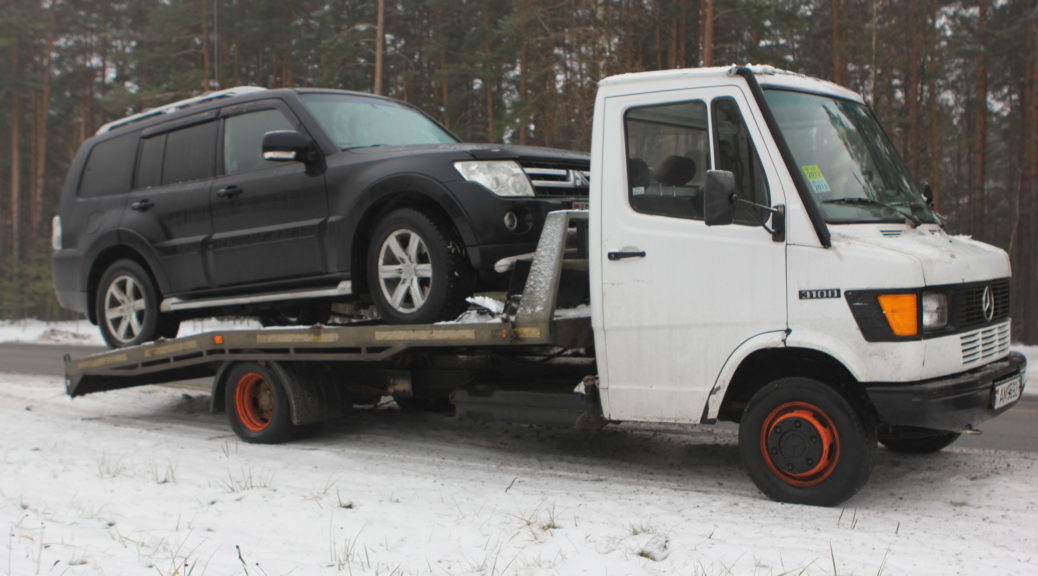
x=558 y=181
x=985 y=344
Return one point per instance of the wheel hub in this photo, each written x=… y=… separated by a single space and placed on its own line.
x=800 y=444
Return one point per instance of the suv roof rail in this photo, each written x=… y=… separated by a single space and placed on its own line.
x=180 y=105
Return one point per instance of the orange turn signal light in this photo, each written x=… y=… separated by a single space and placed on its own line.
x=902 y=312
x=218 y=339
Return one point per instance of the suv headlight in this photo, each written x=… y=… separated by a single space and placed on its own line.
x=935 y=310
x=502 y=177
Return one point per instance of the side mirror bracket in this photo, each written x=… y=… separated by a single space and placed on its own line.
x=720 y=199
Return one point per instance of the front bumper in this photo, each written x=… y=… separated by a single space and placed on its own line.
x=953 y=403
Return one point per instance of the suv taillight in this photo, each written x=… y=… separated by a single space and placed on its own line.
x=55 y=233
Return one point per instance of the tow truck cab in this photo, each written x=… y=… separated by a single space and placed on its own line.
x=750 y=226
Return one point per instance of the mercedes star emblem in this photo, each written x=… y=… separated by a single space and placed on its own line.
x=987 y=303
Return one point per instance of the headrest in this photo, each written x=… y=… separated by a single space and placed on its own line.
x=676 y=171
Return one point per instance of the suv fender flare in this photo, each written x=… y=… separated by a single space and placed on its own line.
x=112 y=246
x=353 y=223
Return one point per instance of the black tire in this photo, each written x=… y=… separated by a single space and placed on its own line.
x=803 y=442
x=302 y=316
x=257 y=404
x=417 y=271
x=127 y=306
x=916 y=440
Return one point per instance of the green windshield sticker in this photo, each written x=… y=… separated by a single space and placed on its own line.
x=815 y=178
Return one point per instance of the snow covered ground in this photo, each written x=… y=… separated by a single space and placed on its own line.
x=147 y=481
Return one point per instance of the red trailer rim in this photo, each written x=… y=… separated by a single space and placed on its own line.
x=254 y=400
x=800 y=444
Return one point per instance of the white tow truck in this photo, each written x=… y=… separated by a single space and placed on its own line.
x=754 y=251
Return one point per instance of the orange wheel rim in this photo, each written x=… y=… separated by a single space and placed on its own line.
x=254 y=400
x=800 y=444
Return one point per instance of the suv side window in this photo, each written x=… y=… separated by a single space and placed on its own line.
x=668 y=153
x=190 y=153
x=149 y=162
x=734 y=152
x=109 y=167
x=243 y=139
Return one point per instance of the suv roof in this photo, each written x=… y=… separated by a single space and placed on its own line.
x=210 y=97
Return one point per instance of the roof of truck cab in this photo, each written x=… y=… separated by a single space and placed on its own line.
x=767 y=76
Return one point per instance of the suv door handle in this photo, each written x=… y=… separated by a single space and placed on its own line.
x=614 y=256
x=229 y=192
x=142 y=205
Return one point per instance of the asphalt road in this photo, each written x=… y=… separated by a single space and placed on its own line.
x=1017 y=429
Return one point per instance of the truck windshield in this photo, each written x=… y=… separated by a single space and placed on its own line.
x=851 y=167
x=361 y=122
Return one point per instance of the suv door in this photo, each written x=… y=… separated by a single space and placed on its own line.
x=678 y=297
x=168 y=209
x=268 y=217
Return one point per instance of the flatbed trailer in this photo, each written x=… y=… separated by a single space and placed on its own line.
x=323 y=370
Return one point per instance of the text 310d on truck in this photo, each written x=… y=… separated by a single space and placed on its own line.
x=755 y=252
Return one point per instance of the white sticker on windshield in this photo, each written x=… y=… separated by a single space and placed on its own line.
x=816 y=179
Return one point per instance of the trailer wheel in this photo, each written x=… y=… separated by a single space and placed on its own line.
x=916 y=440
x=257 y=404
x=803 y=442
x=417 y=271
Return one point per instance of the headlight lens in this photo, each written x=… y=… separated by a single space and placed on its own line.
x=935 y=310
x=502 y=177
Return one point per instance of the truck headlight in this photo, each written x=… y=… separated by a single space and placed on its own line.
x=502 y=177
x=935 y=310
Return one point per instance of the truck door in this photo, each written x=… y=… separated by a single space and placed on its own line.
x=268 y=217
x=678 y=297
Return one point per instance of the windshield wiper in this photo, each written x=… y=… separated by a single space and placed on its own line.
x=871 y=202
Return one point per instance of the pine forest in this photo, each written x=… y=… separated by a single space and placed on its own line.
x=954 y=82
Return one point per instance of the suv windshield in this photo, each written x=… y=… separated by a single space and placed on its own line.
x=848 y=162
x=359 y=122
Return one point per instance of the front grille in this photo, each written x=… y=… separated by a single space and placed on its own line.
x=557 y=180
x=985 y=344
x=966 y=304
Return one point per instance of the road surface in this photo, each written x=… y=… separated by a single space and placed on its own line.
x=1017 y=429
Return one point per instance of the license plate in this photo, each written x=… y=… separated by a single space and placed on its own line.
x=1006 y=392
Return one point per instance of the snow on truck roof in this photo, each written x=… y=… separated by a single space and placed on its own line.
x=685 y=78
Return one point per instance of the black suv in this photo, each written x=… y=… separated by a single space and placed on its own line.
x=281 y=202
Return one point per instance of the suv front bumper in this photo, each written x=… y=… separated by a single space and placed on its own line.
x=953 y=403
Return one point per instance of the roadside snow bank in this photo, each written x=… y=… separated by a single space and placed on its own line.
x=83 y=332
x=146 y=481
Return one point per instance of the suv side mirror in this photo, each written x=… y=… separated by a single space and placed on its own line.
x=286 y=146
x=719 y=198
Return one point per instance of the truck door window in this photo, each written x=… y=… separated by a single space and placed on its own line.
x=668 y=152
x=243 y=140
x=734 y=151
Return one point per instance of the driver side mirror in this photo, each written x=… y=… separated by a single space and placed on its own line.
x=286 y=146
x=719 y=195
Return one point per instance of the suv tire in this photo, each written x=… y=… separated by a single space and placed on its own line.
x=127 y=305
x=417 y=271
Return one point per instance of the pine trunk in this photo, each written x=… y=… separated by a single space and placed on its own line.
x=15 y=143
x=42 y=112
x=708 y=33
x=980 y=133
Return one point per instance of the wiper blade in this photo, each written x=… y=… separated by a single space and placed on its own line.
x=872 y=202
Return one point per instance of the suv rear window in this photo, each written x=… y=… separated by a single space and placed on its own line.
x=109 y=167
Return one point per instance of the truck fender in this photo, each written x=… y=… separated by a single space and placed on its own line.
x=765 y=340
x=846 y=353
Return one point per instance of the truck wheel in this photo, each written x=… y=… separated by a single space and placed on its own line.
x=257 y=404
x=803 y=442
x=417 y=272
x=127 y=305
x=916 y=440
